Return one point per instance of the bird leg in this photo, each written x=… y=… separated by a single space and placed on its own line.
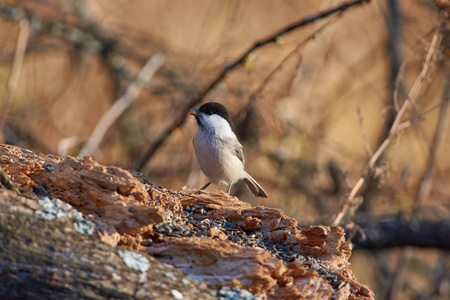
x=229 y=189
x=206 y=185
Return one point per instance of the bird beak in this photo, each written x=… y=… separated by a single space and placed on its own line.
x=196 y=112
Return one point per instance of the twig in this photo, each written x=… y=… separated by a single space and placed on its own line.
x=430 y=59
x=179 y=120
x=419 y=118
x=21 y=47
x=394 y=26
x=398 y=80
x=440 y=274
x=417 y=85
x=266 y=80
x=425 y=183
x=398 y=276
x=121 y=104
x=361 y=127
x=274 y=38
x=65 y=144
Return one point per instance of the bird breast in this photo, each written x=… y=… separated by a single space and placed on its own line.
x=217 y=158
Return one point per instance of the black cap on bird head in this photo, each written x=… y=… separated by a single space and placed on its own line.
x=214 y=108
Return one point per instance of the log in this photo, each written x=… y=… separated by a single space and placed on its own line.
x=81 y=229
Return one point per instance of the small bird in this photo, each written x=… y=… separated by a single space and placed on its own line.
x=218 y=150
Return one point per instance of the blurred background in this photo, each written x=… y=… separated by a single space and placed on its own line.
x=309 y=107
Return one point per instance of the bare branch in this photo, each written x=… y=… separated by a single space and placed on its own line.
x=397 y=279
x=361 y=127
x=397 y=231
x=121 y=104
x=417 y=85
x=394 y=24
x=427 y=68
x=274 y=38
x=425 y=184
x=21 y=47
x=271 y=39
x=271 y=75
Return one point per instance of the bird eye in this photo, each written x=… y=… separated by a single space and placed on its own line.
x=209 y=112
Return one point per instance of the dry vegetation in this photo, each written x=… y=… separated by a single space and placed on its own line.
x=345 y=114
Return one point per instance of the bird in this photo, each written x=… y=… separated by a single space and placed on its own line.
x=218 y=150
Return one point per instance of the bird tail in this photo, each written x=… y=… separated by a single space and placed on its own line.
x=254 y=186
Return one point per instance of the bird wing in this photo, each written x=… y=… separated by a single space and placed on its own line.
x=239 y=153
x=235 y=147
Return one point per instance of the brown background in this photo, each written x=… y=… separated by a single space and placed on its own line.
x=82 y=55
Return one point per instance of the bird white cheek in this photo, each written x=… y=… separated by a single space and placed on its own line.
x=218 y=126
